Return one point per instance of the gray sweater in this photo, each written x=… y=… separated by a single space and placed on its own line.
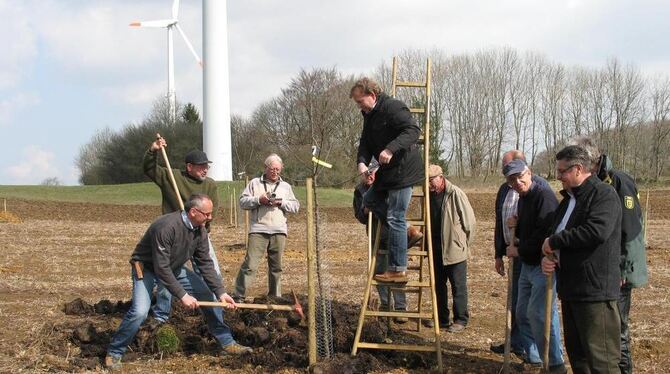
x=265 y=219
x=168 y=244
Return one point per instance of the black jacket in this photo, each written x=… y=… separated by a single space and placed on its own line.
x=590 y=244
x=535 y=215
x=498 y=236
x=391 y=125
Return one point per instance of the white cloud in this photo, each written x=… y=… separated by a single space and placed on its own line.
x=11 y=107
x=20 y=46
x=36 y=164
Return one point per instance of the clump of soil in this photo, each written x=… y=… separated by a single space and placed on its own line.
x=279 y=339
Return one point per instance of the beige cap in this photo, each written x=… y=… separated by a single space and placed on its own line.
x=434 y=171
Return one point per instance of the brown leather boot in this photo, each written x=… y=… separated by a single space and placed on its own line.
x=391 y=277
x=414 y=236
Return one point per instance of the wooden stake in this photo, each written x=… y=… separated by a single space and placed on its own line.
x=646 y=216
x=547 y=320
x=311 y=267
x=235 y=206
x=4 y=204
x=230 y=210
x=370 y=241
x=246 y=219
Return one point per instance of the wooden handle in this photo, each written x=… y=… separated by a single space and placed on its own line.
x=547 y=320
x=289 y=308
x=169 y=168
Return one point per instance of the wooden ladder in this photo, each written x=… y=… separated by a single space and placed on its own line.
x=426 y=280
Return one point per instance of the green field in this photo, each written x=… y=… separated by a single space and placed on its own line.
x=149 y=194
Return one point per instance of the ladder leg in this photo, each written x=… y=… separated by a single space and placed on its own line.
x=366 y=295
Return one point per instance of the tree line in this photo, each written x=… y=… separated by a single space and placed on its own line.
x=482 y=104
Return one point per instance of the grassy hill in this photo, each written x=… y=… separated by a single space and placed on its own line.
x=149 y=194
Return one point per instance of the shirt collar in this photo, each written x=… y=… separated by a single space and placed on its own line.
x=187 y=222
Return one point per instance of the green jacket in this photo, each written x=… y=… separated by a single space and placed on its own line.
x=633 y=252
x=186 y=184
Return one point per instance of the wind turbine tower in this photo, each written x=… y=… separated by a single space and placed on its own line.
x=216 y=93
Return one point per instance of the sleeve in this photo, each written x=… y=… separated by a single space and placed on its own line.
x=467 y=215
x=598 y=224
x=498 y=237
x=364 y=154
x=289 y=203
x=206 y=266
x=544 y=207
x=247 y=200
x=213 y=194
x=151 y=168
x=161 y=246
x=403 y=121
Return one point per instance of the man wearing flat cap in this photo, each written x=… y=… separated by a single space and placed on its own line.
x=192 y=180
x=452 y=230
x=535 y=209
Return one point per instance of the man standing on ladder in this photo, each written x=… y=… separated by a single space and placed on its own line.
x=390 y=134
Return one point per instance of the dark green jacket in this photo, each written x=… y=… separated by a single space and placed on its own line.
x=186 y=184
x=633 y=254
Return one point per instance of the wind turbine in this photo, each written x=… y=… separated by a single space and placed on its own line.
x=170 y=24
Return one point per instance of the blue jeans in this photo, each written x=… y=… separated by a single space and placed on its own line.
x=516 y=342
x=390 y=207
x=161 y=309
x=530 y=312
x=141 y=302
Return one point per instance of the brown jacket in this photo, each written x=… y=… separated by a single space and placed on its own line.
x=458 y=225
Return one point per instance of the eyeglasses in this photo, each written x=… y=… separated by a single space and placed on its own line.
x=560 y=172
x=273 y=170
x=203 y=213
x=515 y=178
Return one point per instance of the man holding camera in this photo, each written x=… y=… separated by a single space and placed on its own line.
x=268 y=198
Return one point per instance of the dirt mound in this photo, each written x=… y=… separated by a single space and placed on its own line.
x=279 y=339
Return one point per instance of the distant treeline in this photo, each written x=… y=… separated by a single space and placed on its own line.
x=482 y=104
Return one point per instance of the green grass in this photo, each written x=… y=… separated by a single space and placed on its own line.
x=149 y=194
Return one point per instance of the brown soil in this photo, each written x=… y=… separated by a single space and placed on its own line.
x=64 y=286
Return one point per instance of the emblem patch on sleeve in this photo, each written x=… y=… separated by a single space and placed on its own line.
x=628 y=202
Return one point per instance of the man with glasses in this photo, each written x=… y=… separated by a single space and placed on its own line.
x=585 y=243
x=269 y=198
x=537 y=203
x=159 y=258
x=193 y=179
x=452 y=231
x=633 y=252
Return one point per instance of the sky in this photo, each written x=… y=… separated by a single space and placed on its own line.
x=69 y=68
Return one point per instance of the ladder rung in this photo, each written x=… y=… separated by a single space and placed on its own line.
x=384 y=313
x=421 y=139
x=414 y=267
x=417 y=191
x=406 y=290
x=398 y=347
x=410 y=84
x=408 y=284
x=410 y=252
x=417 y=110
x=416 y=223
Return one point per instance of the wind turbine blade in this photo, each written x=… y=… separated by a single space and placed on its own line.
x=189 y=45
x=156 y=23
x=175 y=9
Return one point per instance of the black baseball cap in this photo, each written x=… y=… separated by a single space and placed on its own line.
x=514 y=167
x=196 y=157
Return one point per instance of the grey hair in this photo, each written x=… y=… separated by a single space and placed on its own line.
x=574 y=155
x=273 y=158
x=196 y=201
x=589 y=145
